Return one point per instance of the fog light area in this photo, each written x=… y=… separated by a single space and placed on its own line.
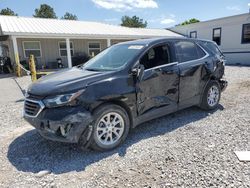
x=64 y=129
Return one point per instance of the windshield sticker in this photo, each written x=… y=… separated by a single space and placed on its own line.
x=135 y=47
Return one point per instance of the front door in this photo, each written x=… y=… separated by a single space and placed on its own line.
x=159 y=84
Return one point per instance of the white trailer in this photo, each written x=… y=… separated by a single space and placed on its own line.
x=232 y=34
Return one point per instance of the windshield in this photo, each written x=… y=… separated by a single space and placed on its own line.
x=113 y=58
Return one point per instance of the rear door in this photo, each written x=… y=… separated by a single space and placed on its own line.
x=191 y=61
x=159 y=84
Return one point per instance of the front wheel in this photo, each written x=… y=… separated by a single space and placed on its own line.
x=211 y=96
x=111 y=127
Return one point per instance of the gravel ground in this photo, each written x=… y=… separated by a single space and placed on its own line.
x=190 y=148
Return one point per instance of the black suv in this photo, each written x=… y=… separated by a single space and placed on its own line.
x=96 y=104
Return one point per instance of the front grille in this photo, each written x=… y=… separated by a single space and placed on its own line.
x=32 y=108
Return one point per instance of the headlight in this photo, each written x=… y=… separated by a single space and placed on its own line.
x=62 y=100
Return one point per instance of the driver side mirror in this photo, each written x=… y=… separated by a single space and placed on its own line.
x=138 y=71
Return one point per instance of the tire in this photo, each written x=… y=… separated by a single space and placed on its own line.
x=211 y=96
x=113 y=130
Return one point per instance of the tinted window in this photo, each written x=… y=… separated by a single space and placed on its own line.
x=156 y=56
x=188 y=51
x=211 y=47
x=246 y=33
x=201 y=53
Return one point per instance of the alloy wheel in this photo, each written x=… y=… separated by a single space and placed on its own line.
x=213 y=96
x=110 y=128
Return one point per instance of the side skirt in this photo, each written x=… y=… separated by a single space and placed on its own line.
x=163 y=111
x=189 y=102
x=155 y=113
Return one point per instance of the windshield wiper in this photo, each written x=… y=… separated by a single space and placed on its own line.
x=99 y=70
x=92 y=69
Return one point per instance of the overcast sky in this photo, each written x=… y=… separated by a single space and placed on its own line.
x=158 y=13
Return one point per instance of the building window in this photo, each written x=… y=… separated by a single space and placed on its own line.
x=217 y=36
x=63 y=49
x=94 y=48
x=193 y=34
x=246 y=33
x=32 y=48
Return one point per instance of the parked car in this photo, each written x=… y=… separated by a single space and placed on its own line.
x=125 y=85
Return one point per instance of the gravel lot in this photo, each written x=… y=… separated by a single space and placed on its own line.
x=191 y=148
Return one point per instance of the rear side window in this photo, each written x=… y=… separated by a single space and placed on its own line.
x=211 y=47
x=188 y=51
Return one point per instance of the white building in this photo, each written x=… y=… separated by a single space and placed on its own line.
x=49 y=39
x=232 y=34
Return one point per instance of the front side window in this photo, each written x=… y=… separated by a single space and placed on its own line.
x=217 y=36
x=193 y=34
x=63 y=49
x=113 y=58
x=246 y=33
x=32 y=48
x=156 y=56
x=94 y=48
x=188 y=51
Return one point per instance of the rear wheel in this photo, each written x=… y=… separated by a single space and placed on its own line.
x=211 y=96
x=111 y=127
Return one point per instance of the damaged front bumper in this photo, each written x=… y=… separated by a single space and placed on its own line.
x=63 y=124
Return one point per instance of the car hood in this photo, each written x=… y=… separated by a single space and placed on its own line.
x=65 y=81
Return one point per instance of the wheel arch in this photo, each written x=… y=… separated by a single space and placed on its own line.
x=212 y=78
x=120 y=103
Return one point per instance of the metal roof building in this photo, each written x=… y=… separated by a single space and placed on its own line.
x=49 y=39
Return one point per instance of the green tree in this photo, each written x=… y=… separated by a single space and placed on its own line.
x=133 y=22
x=7 y=11
x=190 y=21
x=45 y=11
x=69 y=16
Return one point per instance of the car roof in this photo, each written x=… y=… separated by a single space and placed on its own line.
x=153 y=41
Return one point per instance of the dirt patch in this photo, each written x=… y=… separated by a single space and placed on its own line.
x=245 y=84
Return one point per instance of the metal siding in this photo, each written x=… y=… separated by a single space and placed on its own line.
x=14 y=25
x=241 y=58
x=50 y=49
x=78 y=45
x=231 y=28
